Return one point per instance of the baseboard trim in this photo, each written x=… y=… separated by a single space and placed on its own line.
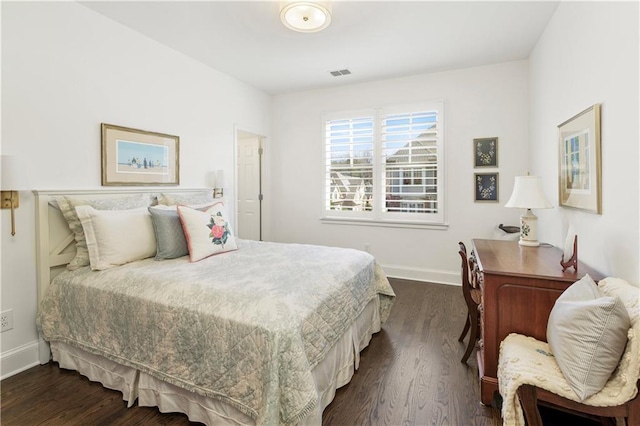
x=19 y=359
x=422 y=274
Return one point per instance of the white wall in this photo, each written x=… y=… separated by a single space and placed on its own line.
x=65 y=70
x=589 y=54
x=479 y=102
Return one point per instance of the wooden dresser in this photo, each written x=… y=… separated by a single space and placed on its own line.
x=519 y=287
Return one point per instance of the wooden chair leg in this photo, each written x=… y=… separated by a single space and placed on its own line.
x=473 y=317
x=608 y=421
x=633 y=417
x=529 y=401
x=465 y=330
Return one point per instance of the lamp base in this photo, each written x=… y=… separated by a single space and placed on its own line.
x=529 y=229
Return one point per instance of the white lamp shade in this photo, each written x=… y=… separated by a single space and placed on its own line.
x=219 y=179
x=305 y=16
x=528 y=194
x=13 y=174
x=216 y=178
x=211 y=178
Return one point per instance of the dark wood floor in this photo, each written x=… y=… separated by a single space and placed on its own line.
x=410 y=374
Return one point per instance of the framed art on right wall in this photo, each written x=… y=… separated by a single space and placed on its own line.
x=580 y=174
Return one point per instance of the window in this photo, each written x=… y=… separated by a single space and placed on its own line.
x=385 y=164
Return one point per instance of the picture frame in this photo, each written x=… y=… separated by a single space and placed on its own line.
x=139 y=157
x=579 y=168
x=486 y=187
x=485 y=152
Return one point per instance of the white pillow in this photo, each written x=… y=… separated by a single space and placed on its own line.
x=116 y=237
x=587 y=334
x=207 y=232
x=67 y=206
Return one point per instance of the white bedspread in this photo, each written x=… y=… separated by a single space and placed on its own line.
x=246 y=327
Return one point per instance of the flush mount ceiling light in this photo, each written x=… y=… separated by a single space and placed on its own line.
x=305 y=16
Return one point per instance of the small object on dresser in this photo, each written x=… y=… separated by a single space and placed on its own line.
x=509 y=229
x=506 y=233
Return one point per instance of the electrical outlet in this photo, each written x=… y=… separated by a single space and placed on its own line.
x=6 y=320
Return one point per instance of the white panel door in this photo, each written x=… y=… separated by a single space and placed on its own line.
x=249 y=188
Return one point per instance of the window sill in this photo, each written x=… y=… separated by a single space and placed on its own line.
x=384 y=223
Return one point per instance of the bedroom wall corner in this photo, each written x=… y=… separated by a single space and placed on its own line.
x=588 y=54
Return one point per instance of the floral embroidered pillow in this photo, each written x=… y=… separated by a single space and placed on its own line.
x=207 y=232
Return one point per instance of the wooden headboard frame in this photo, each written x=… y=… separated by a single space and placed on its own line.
x=55 y=243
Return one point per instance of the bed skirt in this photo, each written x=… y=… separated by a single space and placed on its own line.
x=333 y=372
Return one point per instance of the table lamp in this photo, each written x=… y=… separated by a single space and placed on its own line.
x=528 y=194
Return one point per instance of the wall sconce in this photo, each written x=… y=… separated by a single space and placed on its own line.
x=528 y=194
x=12 y=176
x=217 y=182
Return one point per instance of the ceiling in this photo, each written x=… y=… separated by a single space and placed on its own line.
x=373 y=39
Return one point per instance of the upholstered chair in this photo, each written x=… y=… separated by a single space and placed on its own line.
x=595 y=367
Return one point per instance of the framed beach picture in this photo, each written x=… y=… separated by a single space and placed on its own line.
x=579 y=176
x=485 y=152
x=138 y=157
x=486 y=187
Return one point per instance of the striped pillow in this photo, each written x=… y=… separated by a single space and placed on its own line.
x=587 y=334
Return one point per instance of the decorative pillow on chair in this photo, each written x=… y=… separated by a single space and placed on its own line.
x=208 y=232
x=587 y=333
x=116 y=237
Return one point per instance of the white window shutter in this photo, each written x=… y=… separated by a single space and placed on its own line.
x=385 y=164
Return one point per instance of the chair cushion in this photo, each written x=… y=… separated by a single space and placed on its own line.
x=587 y=334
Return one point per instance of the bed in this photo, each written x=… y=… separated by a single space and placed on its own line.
x=260 y=333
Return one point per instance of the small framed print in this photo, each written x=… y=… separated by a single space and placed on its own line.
x=486 y=187
x=138 y=157
x=485 y=152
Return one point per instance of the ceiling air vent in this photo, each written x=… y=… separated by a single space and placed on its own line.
x=338 y=73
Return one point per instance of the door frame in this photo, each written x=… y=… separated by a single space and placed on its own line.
x=238 y=132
